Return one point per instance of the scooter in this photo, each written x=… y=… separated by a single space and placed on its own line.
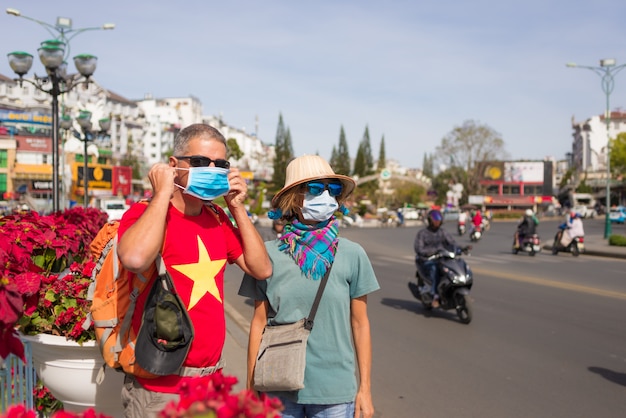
x=576 y=245
x=530 y=244
x=476 y=233
x=461 y=228
x=455 y=282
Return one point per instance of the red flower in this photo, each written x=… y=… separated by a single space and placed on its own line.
x=212 y=393
x=33 y=295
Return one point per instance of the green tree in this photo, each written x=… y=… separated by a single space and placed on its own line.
x=367 y=152
x=341 y=164
x=406 y=193
x=364 y=162
x=467 y=146
x=333 y=158
x=234 y=152
x=445 y=179
x=283 y=154
x=618 y=155
x=428 y=165
x=382 y=157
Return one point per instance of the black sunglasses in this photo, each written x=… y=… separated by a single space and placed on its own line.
x=316 y=188
x=202 y=161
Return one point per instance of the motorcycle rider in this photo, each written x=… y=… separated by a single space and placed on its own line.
x=526 y=226
x=477 y=222
x=430 y=241
x=573 y=228
x=462 y=220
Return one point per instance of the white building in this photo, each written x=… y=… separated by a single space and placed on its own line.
x=589 y=147
x=258 y=157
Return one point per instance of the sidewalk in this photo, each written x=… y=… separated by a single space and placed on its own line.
x=235 y=348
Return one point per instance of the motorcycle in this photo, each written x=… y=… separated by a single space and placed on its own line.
x=461 y=228
x=476 y=233
x=529 y=243
x=455 y=282
x=576 y=245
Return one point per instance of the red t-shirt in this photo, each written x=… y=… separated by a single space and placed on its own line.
x=195 y=254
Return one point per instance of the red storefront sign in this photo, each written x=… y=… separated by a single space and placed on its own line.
x=122 y=180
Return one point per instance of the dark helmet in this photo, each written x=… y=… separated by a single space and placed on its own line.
x=434 y=218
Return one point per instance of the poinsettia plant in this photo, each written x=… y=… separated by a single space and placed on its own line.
x=45 y=271
x=208 y=397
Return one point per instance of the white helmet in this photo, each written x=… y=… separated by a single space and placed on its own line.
x=529 y=212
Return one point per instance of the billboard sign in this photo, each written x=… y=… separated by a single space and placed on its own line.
x=523 y=172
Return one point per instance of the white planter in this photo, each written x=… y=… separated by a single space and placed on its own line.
x=69 y=370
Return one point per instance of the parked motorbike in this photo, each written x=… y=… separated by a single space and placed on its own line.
x=576 y=246
x=529 y=243
x=461 y=228
x=476 y=234
x=455 y=282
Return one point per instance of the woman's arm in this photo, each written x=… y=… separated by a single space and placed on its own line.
x=257 y=325
x=363 y=345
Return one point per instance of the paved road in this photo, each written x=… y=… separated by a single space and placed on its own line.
x=547 y=338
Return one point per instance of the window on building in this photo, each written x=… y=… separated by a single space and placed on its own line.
x=4 y=158
x=533 y=190
x=3 y=182
x=511 y=189
x=493 y=189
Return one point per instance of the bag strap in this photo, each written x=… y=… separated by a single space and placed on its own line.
x=308 y=323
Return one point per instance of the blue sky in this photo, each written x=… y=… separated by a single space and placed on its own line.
x=409 y=70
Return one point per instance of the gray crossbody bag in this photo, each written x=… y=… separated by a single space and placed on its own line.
x=281 y=359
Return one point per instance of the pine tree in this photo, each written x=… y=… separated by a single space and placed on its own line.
x=333 y=158
x=367 y=152
x=428 y=165
x=382 y=158
x=342 y=165
x=283 y=154
x=359 y=163
x=364 y=162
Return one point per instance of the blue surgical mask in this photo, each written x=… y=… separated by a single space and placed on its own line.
x=319 y=208
x=206 y=183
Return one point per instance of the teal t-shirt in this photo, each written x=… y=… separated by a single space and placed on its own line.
x=330 y=374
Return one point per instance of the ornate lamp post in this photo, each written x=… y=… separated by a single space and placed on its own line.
x=56 y=82
x=607 y=71
x=88 y=135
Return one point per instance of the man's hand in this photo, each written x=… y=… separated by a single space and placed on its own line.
x=162 y=178
x=238 y=189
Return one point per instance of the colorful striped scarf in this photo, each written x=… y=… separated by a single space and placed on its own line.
x=312 y=247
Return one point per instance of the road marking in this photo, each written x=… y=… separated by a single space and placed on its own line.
x=551 y=283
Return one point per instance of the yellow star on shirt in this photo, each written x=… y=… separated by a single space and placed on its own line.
x=202 y=274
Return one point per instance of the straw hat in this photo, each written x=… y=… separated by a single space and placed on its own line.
x=311 y=167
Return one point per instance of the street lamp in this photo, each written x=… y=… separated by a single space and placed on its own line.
x=62 y=28
x=88 y=135
x=607 y=70
x=53 y=54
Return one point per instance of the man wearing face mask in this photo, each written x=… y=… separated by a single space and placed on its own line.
x=307 y=249
x=196 y=239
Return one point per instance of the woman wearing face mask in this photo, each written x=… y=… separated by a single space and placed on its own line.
x=309 y=247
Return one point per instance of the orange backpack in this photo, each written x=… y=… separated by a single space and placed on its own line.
x=113 y=303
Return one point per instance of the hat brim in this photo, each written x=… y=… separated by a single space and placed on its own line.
x=348 y=186
x=153 y=355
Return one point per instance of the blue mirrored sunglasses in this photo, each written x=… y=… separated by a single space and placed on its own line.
x=316 y=188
